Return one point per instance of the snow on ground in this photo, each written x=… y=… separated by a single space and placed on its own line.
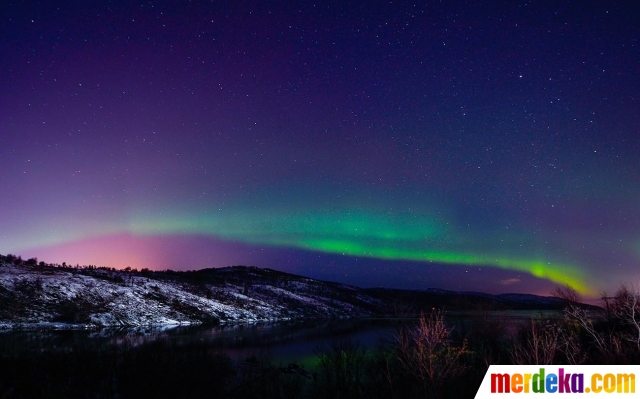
x=46 y=296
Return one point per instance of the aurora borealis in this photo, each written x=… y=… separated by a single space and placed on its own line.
x=461 y=146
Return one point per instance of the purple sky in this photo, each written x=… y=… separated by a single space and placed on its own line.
x=460 y=146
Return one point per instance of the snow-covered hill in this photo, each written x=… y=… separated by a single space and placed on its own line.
x=34 y=295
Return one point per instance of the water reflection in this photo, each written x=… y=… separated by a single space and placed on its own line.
x=292 y=340
x=284 y=341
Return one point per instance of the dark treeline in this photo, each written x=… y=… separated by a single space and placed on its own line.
x=18 y=260
x=210 y=275
x=432 y=357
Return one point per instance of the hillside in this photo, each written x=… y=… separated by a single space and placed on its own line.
x=34 y=295
x=38 y=295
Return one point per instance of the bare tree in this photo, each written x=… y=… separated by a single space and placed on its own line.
x=577 y=315
x=568 y=294
x=570 y=343
x=426 y=352
x=626 y=308
x=548 y=338
x=539 y=346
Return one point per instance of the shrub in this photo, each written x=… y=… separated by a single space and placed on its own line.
x=427 y=353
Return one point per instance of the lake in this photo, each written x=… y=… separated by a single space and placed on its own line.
x=287 y=341
x=293 y=359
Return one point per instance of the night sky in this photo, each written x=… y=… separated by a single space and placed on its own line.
x=489 y=147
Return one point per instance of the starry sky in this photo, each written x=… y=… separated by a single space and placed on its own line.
x=485 y=146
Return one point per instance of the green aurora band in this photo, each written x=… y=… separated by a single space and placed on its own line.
x=379 y=235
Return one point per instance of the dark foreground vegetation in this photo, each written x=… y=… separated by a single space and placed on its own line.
x=432 y=358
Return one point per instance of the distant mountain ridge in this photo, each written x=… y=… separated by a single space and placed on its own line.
x=37 y=295
x=469 y=300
